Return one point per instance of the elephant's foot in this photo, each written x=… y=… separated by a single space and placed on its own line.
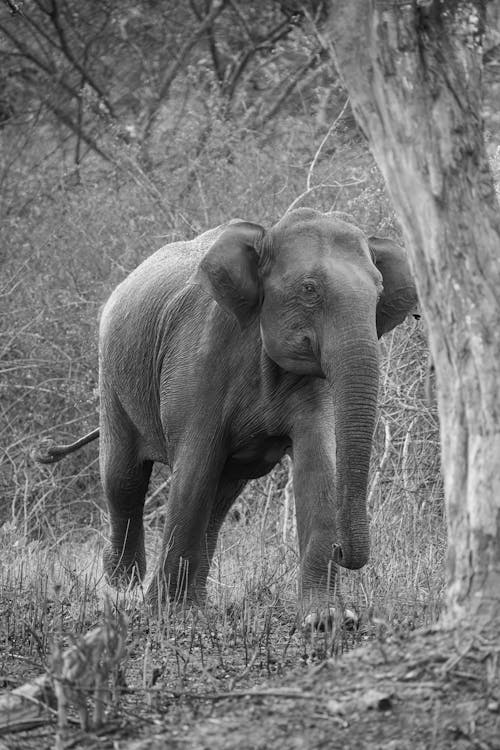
x=325 y=620
x=319 y=590
x=166 y=590
x=123 y=571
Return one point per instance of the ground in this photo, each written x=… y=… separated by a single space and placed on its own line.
x=396 y=693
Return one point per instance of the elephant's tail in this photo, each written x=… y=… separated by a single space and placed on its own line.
x=56 y=452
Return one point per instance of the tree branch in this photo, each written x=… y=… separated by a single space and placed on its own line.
x=320 y=147
x=279 y=32
x=173 y=69
x=68 y=122
x=171 y=72
x=299 y=74
x=86 y=76
x=28 y=55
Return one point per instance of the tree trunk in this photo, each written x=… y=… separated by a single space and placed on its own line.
x=413 y=71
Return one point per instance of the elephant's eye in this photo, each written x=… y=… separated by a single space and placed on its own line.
x=309 y=292
x=309 y=289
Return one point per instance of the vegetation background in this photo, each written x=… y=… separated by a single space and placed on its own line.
x=125 y=126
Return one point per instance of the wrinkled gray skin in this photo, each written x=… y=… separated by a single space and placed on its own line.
x=219 y=355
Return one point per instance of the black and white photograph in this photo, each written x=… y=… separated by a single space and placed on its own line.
x=250 y=374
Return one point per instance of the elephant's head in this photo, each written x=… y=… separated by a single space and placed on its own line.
x=323 y=294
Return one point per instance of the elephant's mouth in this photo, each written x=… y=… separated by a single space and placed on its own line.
x=306 y=349
x=300 y=355
x=303 y=361
x=301 y=366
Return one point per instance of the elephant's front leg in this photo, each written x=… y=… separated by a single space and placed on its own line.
x=182 y=571
x=314 y=488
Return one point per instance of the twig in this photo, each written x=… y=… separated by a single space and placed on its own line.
x=323 y=185
x=288 y=492
x=293 y=693
x=381 y=466
x=404 y=460
x=324 y=140
x=246 y=671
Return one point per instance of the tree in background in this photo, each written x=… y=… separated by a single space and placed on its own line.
x=414 y=74
x=108 y=69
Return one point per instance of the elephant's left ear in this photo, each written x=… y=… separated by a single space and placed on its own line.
x=229 y=271
x=399 y=297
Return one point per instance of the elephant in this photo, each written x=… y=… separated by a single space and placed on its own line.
x=219 y=355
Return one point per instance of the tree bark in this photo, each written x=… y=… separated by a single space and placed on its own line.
x=413 y=72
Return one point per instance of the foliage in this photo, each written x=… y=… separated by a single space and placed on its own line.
x=106 y=71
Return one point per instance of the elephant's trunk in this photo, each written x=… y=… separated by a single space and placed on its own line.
x=354 y=373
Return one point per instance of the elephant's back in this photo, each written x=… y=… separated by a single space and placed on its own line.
x=173 y=264
x=158 y=278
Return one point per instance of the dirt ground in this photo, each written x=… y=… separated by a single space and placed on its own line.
x=405 y=693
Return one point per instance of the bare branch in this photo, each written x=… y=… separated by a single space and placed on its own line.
x=69 y=123
x=50 y=71
x=195 y=10
x=84 y=72
x=214 y=53
x=234 y=5
x=299 y=75
x=173 y=69
x=324 y=140
x=322 y=186
x=279 y=32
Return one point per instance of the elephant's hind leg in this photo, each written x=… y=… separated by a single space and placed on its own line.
x=125 y=479
x=227 y=492
x=183 y=565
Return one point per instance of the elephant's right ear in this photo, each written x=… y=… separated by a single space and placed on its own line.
x=399 y=297
x=229 y=271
